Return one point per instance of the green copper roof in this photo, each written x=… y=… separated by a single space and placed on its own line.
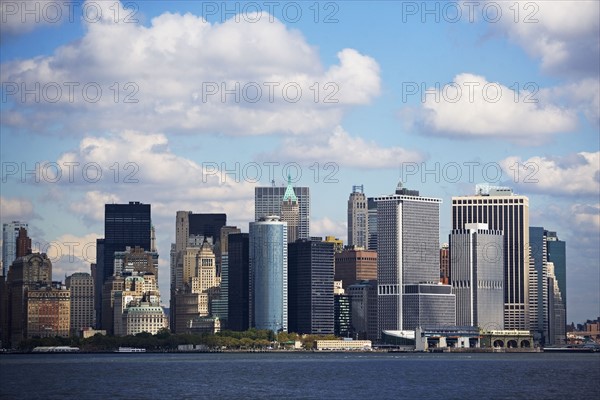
x=289 y=192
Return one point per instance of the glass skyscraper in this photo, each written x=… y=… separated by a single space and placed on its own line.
x=124 y=225
x=10 y=231
x=269 y=274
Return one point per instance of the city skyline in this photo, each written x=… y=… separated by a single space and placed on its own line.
x=180 y=147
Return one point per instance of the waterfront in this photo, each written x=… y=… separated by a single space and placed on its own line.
x=299 y=375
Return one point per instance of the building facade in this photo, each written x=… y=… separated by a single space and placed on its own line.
x=124 y=225
x=310 y=287
x=238 y=276
x=428 y=305
x=81 y=287
x=48 y=312
x=10 y=231
x=268 y=201
x=407 y=250
x=372 y=223
x=477 y=276
x=358 y=218
x=363 y=303
x=269 y=274
x=353 y=265
x=502 y=210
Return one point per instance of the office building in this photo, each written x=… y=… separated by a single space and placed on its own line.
x=10 y=231
x=557 y=255
x=547 y=302
x=26 y=273
x=445 y=264
x=220 y=305
x=23 y=243
x=268 y=201
x=363 y=303
x=407 y=250
x=238 y=276
x=372 y=223
x=342 y=314
x=310 y=287
x=502 y=210
x=290 y=212
x=198 y=227
x=269 y=274
x=81 y=287
x=426 y=304
x=135 y=260
x=355 y=264
x=125 y=225
x=477 y=276
x=557 y=314
x=358 y=225
x=48 y=311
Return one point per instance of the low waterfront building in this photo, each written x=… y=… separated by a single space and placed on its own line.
x=342 y=344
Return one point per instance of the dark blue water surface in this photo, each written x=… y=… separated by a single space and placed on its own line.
x=300 y=375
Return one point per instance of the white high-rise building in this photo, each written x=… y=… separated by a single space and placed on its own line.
x=477 y=276
x=407 y=250
x=81 y=286
x=502 y=210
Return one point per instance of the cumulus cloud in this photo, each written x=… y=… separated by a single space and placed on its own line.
x=328 y=227
x=344 y=149
x=149 y=169
x=473 y=107
x=69 y=253
x=184 y=74
x=16 y=209
x=572 y=175
x=563 y=35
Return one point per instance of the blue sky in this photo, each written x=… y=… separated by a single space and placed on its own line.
x=528 y=103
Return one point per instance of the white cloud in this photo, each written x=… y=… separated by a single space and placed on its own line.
x=346 y=150
x=473 y=107
x=16 y=209
x=328 y=227
x=562 y=34
x=573 y=175
x=91 y=207
x=69 y=253
x=178 y=70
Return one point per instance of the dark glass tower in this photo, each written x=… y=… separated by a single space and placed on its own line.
x=124 y=225
x=238 y=275
x=207 y=225
x=310 y=287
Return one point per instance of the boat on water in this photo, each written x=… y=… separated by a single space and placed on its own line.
x=130 y=350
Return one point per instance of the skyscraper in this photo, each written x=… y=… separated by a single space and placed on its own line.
x=354 y=265
x=290 y=212
x=26 y=273
x=363 y=299
x=372 y=223
x=503 y=211
x=188 y=224
x=358 y=225
x=220 y=305
x=426 y=304
x=268 y=201
x=238 y=277
x=407 y=249
x=10 y=231
x=477 y=276
x=269 y=274
x=445 y=263
x=557 y=255
x=81 y=286
x=547 y=302
x=124 y=225
x=310 y=287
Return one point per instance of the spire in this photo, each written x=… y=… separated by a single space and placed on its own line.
x=289 y=191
